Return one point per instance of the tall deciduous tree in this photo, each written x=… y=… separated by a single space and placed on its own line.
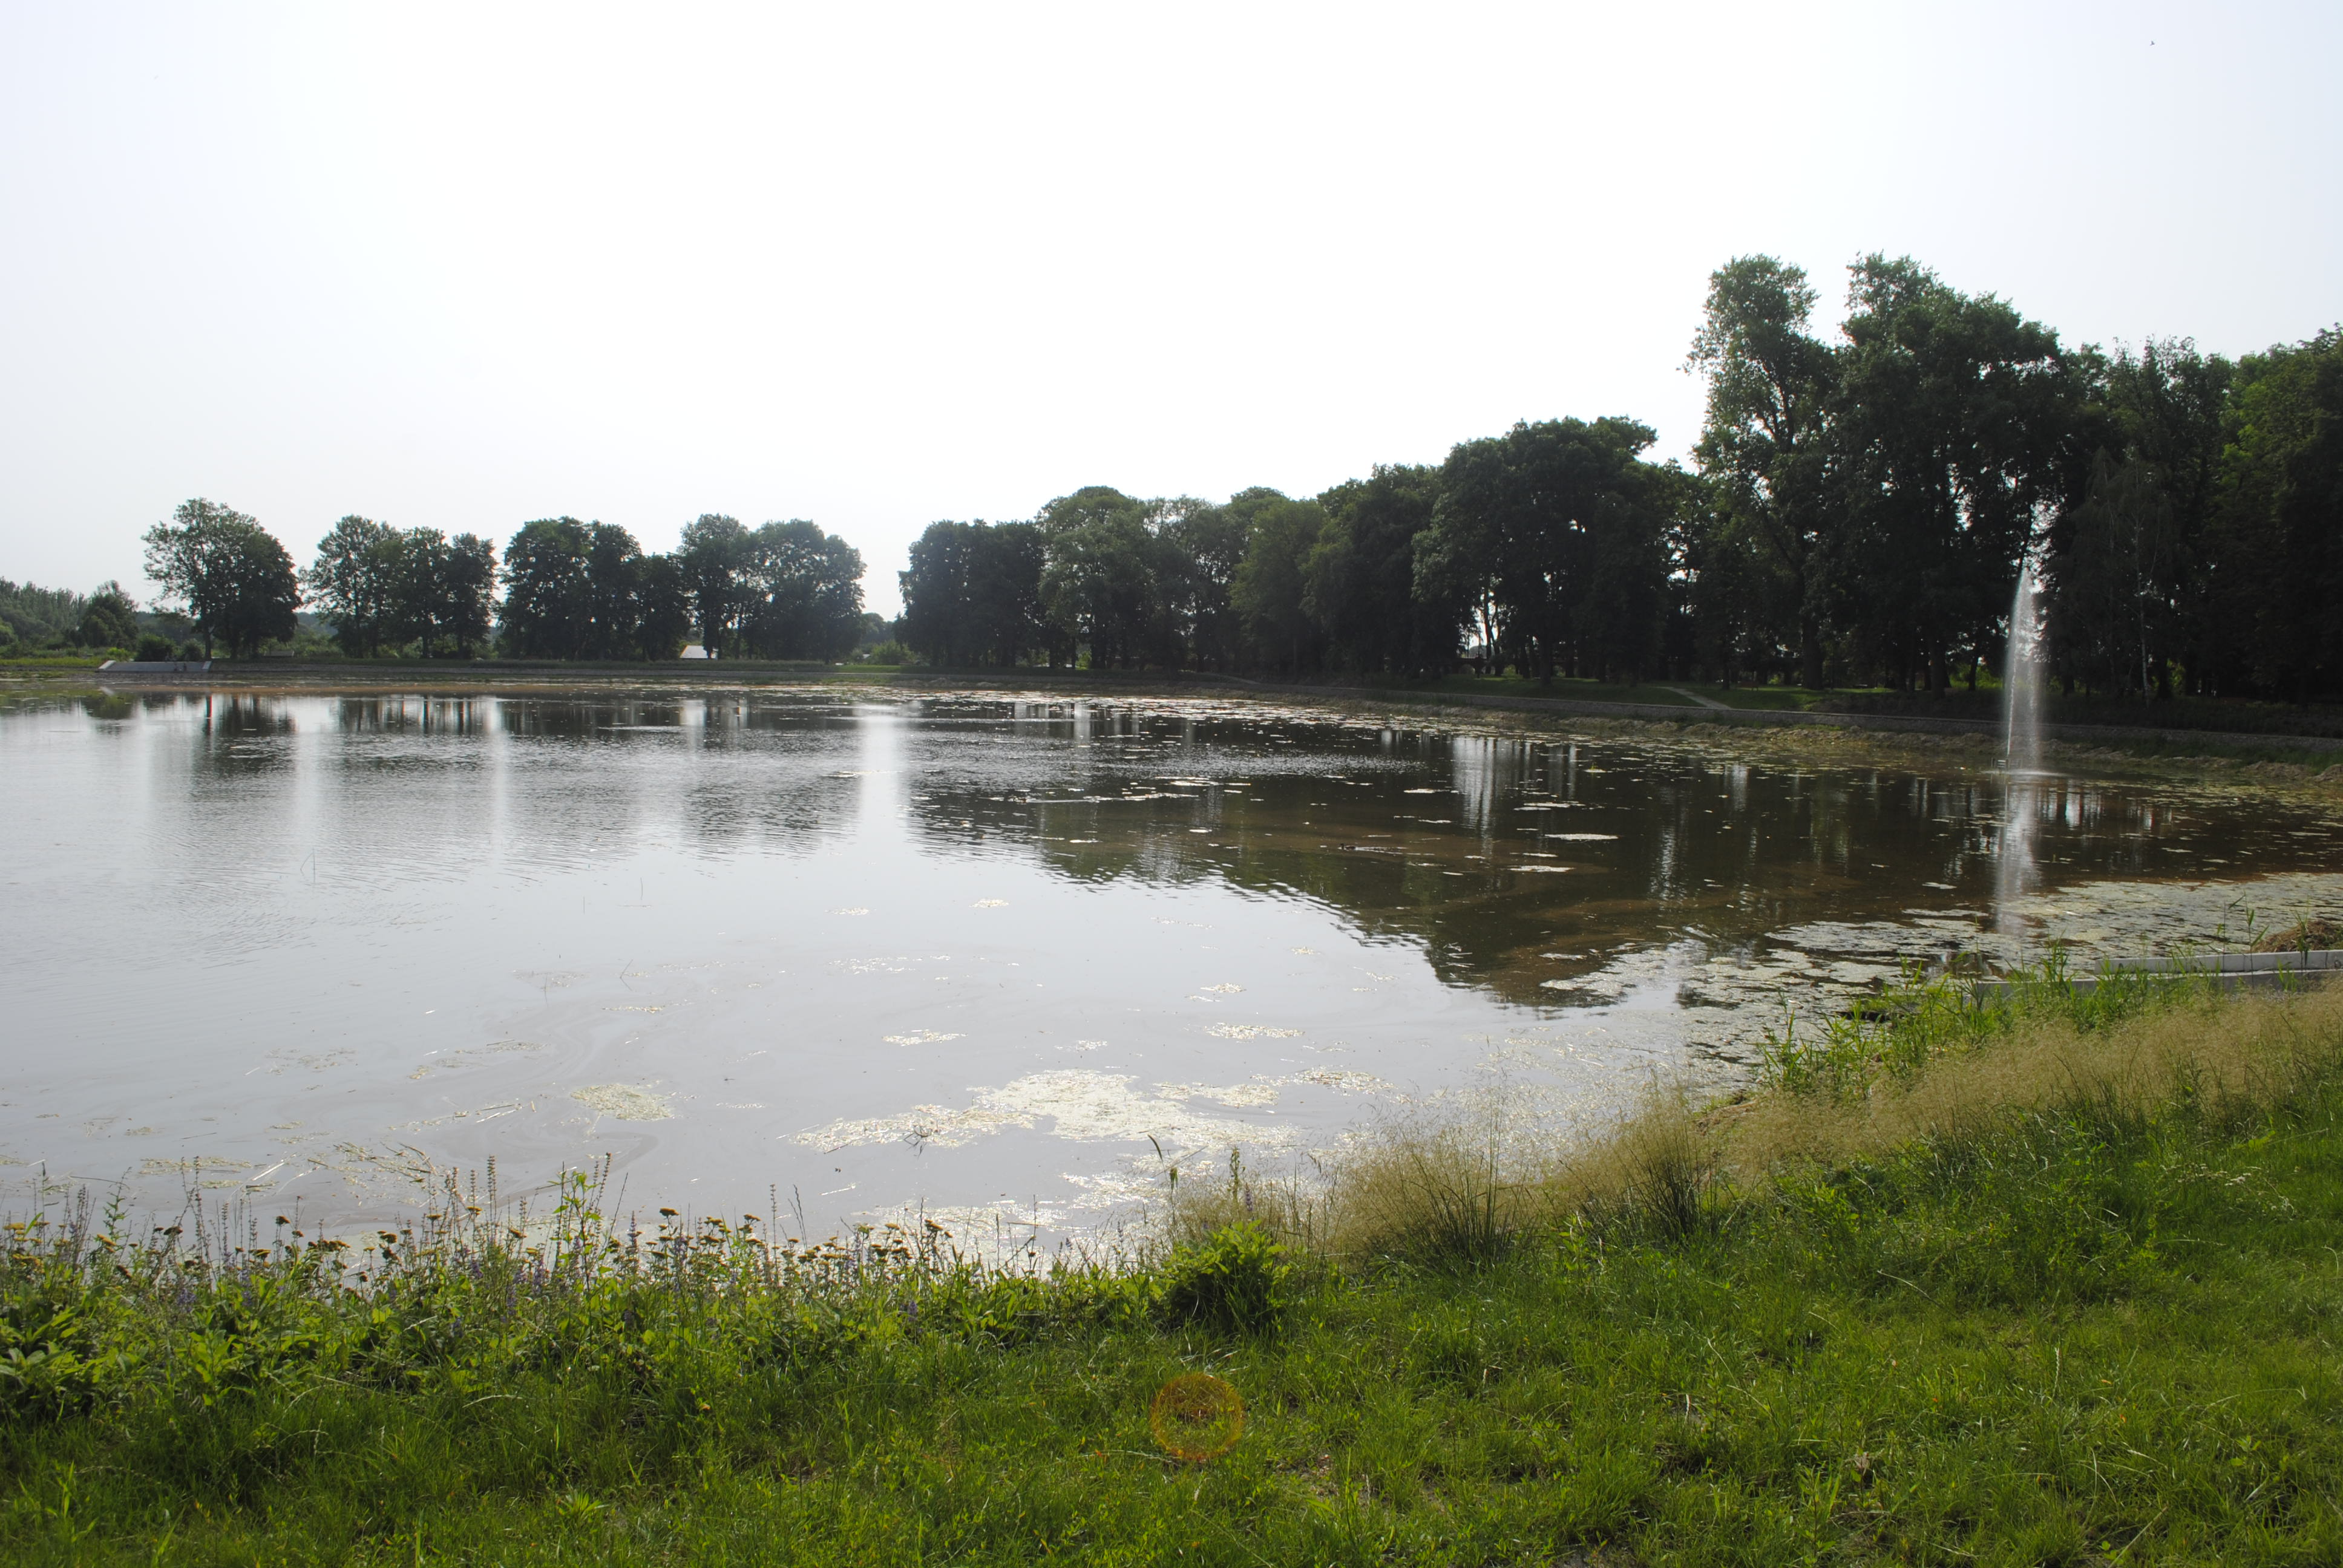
x=420 y=610
x=1270 y=589
x=2281 y=518
x=471 y=583
x=1565 y=525
x=2168 y=404
x=1099 y=586
x=807 y=593
x=939 y=589
x=972 y=593
x=547 y=607
x=235 y=582
x=1763 y=445
x=110 y=618
x=2111 y=608
x=353 y=582
x=665 y=597
x=1205 y=545
x=266 y=595
x=1953 y=441
x=1359 y=582
x=573 y=590
x=1006 y=621
x=717 y=559
x=613 y=593
x=376 y=585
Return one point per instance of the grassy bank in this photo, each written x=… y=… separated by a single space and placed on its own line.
x=2275 y=762
x=1982 y=705
x=2054 y=1285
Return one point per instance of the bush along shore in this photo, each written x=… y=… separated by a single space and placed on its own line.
x=2054 y=1282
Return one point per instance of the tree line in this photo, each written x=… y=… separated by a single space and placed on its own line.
x=1857 y=510
x=35 y=619
x=1856 y=513
x=571 y=589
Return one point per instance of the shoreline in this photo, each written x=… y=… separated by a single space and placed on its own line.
x=491 y=676
x=1926 y=1296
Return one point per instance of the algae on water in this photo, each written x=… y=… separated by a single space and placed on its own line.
x=625 y=1101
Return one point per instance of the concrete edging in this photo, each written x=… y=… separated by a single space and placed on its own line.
x=2230 y=972
x=1791 y=717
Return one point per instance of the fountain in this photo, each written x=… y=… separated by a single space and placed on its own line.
x=2021 y=682
x=2021 y=677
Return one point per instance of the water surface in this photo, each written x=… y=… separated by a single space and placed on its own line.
x=1002 y=958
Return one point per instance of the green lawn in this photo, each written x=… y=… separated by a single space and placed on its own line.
x=1514 y=685
x=1671 y=694
x=1762 y=696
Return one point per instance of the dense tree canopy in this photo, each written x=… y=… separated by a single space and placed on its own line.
x=804 y=593
x=972 y=593
x=1268 y=593
x=379 y=586
x=1359 y=584
x=586 y=590
x=1954 y=426
x=1859 y=508
x=1563 y=528
x=36 y=616
x=549 y=602
x=2277 y=522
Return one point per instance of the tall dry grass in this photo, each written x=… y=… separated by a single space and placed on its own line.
x=1466 y=1190
x=2221 y=1058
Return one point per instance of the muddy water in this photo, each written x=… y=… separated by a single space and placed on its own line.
x=1005 y=960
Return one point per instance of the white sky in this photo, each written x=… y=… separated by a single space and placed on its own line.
x=471 y=265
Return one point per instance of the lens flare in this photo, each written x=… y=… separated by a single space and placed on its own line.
x=1196 y=1417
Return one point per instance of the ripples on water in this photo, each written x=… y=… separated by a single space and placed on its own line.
x=995 y=957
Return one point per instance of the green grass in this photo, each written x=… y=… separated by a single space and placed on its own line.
x=1984 y=703
x=2231 y=715
x=2091 y=1327
x=1771 y=699
x=48 y=662
x=1669 y=694
x=1516 y=686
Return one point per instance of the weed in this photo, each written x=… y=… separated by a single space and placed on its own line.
x=1232 y=1280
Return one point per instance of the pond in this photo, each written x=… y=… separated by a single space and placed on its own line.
x=1004 y=960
